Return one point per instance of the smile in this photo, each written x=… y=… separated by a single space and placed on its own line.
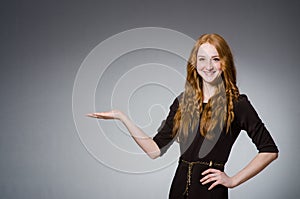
x=209 y=73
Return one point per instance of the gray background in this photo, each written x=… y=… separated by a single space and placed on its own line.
x=43 y=44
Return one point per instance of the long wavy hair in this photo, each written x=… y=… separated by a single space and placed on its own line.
x=218 y=112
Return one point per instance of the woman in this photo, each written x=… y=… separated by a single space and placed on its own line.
x=206 y=119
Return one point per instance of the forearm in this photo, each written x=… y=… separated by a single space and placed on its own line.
x=143 y=140
x=259 y=162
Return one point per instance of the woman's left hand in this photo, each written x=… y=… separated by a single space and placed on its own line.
x=218 y=177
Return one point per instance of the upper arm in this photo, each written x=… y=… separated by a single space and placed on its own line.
x=164 y=137
x=249 y=121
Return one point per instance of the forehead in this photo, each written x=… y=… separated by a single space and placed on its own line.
x=207 y=49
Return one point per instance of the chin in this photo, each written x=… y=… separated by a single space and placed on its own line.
x=210 y=80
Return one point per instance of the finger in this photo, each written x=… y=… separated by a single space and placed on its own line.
x=209 y=178
x=104 y=114
x=213 y=185
x=97 y=115
x=211 y=170
x=91 y=115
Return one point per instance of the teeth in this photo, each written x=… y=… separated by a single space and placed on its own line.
x=209 y=73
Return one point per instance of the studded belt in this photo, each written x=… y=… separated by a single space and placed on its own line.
x=190 y=168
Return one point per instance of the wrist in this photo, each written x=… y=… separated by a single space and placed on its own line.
x=234 y=182
x=122 y=117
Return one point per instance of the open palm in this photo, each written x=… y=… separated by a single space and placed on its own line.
x=113 y=114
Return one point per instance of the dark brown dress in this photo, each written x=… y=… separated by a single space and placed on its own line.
x=245 y=118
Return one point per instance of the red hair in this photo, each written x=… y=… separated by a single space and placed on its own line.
x=219 y=109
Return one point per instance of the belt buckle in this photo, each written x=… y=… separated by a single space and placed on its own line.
x=210 y=163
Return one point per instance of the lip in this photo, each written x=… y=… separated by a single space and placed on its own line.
x=209 y=73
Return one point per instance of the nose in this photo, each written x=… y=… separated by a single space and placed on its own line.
x=209 y=65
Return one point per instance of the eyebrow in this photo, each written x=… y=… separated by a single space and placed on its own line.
x=212 y=56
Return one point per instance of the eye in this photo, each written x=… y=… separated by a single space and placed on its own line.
x=201 y=59
x=216 y=59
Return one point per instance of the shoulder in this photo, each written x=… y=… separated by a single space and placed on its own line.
x=241 y=102
x=242 y=97
x=176 y=101
x=178 y=98
x=243 y=108
x=243 y=105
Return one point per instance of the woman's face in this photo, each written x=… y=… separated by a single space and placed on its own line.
x=208 y=63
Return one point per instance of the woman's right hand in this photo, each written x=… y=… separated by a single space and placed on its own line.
x=113 y=114
x=143 y=140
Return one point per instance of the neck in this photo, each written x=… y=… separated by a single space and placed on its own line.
x=208 y=91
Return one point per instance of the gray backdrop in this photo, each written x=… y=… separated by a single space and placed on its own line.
x=43 y=45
